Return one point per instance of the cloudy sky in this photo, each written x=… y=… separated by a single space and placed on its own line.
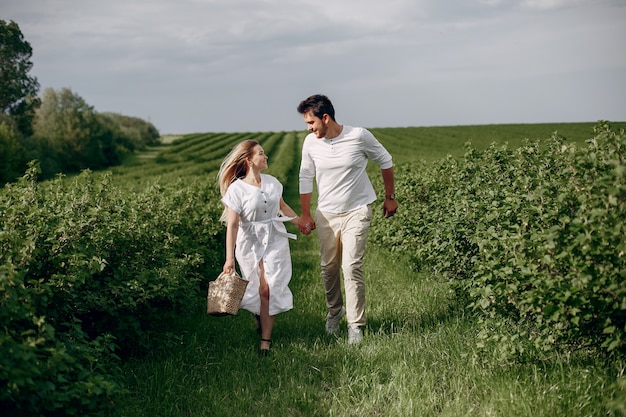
x=244 y=65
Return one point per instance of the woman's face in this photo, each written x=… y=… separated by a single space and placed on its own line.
x=258 y=159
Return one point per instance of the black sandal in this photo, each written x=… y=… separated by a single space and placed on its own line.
x=265 y=352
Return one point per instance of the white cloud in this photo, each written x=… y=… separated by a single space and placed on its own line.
x=551 y=4
x=201 y=65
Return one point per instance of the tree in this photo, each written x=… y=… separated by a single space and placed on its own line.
x=18 y=90
x=136 y=133
x=11 y=152
x=71 y=130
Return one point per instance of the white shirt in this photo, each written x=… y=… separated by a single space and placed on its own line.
x=338 y=167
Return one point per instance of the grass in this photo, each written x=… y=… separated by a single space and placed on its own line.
x=418 y=358
x=432 y=143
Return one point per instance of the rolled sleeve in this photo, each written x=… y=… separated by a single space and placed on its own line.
x=307 y=174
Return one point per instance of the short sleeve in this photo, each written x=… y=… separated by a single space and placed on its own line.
x=232 y=198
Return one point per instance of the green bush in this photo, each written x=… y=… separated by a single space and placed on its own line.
x=43 y=370
x=12 y=153
x=533 y=238
x=90 y=271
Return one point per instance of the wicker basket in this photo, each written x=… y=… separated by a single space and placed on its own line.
x=225 y=294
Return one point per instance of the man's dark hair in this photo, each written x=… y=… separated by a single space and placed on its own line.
x=319 y=105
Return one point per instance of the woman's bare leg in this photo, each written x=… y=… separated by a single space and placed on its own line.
x=267 y=321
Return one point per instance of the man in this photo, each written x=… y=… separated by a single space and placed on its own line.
x=336 y=156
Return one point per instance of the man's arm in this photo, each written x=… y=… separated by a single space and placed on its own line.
x=390 y=206
x=306 y=222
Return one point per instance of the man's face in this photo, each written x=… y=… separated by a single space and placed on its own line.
x=316 y=125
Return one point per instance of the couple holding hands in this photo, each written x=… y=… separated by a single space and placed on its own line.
x=335 y=156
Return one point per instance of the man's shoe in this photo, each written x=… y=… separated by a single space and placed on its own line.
x=332 y=322
x=354 y=335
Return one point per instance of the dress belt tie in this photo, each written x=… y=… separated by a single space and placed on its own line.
x=275 y=221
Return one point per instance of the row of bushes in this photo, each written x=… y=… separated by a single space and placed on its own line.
x=89 y=272
x=533 y=239
x=284 y=157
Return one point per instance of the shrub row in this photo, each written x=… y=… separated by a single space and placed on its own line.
x=208 y=147
x=90 y=272
x=533 y=239
x=283 y=157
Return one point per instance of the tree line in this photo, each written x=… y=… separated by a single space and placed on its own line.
x=59 y=129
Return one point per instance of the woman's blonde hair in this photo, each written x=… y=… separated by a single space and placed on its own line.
x=234 y=166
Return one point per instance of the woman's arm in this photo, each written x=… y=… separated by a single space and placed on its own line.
x=232 y=226
x=287 y=211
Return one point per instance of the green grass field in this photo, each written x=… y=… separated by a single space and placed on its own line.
x=418 y=356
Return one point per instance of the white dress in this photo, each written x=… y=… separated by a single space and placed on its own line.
x=262 y=236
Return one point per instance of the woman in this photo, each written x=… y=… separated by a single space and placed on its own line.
x=255 y=234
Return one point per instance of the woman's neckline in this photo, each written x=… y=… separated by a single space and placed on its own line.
x=259 y=185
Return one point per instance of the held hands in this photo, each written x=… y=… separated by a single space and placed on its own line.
x=306 y=224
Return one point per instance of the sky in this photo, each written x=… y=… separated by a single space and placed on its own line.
x=192 y=66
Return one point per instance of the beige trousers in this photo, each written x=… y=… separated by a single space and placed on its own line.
x=342 y=240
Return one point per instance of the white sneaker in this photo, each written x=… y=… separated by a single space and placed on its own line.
x=332 y=322
x=354 y=335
